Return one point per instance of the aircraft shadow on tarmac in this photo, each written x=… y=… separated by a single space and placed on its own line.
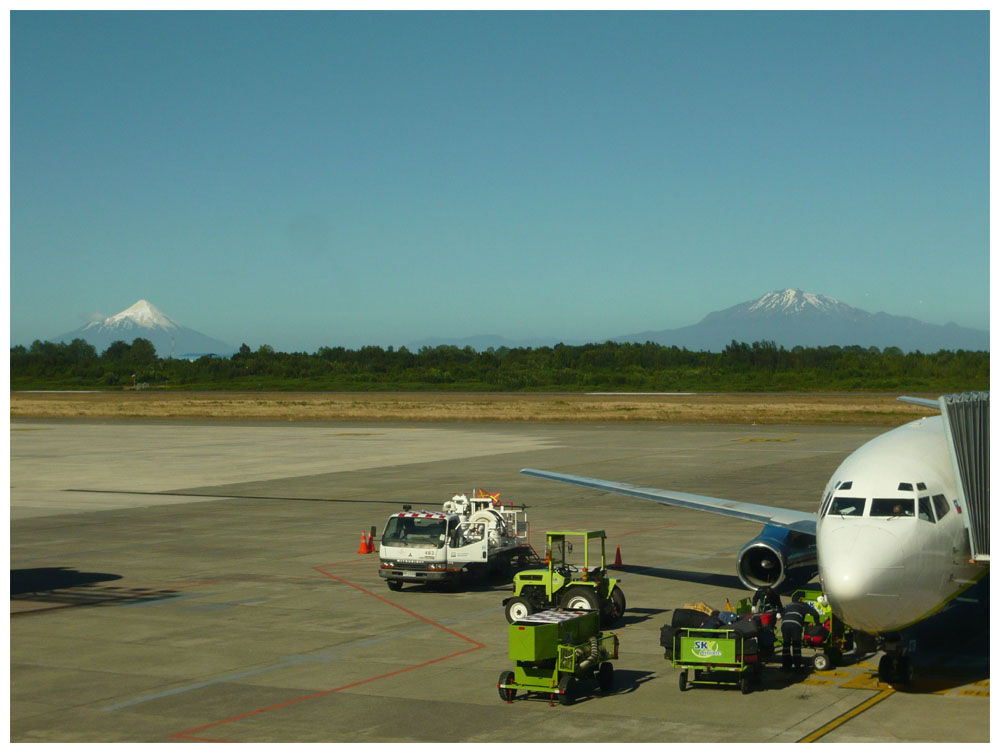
x=65 y=586
x=634 y=615
x=708 y=579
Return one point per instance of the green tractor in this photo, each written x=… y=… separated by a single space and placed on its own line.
x=565 y=585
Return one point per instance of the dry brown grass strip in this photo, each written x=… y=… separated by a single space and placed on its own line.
x=799 y=408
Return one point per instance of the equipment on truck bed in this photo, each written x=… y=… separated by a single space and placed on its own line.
x=565 y=585
x=472 y=535
x=553 y=651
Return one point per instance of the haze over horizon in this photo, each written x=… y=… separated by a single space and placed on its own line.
x=306 y=179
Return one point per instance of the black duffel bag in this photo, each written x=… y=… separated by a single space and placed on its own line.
x=688 y=618
x=668 y=634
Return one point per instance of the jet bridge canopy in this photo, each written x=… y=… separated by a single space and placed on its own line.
x=967 y=425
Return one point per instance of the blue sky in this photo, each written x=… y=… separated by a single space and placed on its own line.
x=310 y=179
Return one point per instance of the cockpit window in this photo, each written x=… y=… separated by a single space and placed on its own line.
x=941 y=505
x=924 y=509
x=826 y=503
x=921 y=486
x=905 y=487
x=845 y=486
x=892 y=508
x=847 y=506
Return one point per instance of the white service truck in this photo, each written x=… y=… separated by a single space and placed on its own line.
x=473 y=535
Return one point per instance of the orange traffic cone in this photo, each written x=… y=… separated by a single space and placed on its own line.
x=371 y=544
x=363 y=549
x=618 y=557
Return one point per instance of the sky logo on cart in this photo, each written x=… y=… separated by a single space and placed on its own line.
x=706 y=649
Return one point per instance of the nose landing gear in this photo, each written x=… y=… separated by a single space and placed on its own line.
x=896 y=665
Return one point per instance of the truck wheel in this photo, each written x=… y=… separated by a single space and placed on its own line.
x=567 y=690
x=517 y=609
x=506 y=694
x=617 y=603
x=394 y=585
x=580 y=597
x=606 y=677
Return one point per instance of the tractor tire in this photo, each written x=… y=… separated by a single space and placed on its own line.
x=606 y=677
x=506 y=694
x=394 y=585
x=517 y=609
x=567 y=690
x=580 y=597
x=617 y=604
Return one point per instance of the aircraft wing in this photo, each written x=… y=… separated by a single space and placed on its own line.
x=920 y=401
x=803 y=522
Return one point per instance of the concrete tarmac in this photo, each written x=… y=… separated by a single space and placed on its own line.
x=200 y=582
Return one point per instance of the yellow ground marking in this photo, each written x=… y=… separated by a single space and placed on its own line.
x=860 y=708
x=975 y=692
x=865 y=681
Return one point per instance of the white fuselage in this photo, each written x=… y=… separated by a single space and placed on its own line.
x=891 y=541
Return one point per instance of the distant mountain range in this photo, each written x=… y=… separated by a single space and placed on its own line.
x=143 y=319
x=787 y=317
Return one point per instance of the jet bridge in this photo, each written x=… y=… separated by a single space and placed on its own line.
x=967 y=425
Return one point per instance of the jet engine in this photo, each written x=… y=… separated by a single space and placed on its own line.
x=778 y=557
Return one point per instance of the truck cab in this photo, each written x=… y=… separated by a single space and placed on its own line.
x=471 y=535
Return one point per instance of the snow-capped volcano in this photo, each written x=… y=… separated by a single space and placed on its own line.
x=143 y=319
x=793 y=317
x=142 y=313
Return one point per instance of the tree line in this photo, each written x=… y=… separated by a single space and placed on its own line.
x=758 y=366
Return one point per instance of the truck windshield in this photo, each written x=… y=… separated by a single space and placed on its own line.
x=417 y=533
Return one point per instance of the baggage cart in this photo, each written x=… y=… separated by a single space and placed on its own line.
x=716 y=657
x=828 y=645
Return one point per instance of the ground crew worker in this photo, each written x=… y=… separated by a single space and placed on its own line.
x=791 y=632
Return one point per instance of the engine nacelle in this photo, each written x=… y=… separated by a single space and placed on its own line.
x=778 y=557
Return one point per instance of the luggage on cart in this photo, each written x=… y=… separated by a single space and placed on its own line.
x=668 y=634
x=688 y=618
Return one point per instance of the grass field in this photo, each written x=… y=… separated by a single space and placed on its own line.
x=728 y=408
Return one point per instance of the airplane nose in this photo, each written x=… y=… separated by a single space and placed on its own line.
x=861 y=571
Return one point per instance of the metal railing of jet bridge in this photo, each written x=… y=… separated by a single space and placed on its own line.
x=967 y=424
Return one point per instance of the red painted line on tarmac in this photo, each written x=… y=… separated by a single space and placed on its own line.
x=190 y=734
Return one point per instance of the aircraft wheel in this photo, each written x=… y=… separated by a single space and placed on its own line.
x=904 y=671
x=886 y=669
